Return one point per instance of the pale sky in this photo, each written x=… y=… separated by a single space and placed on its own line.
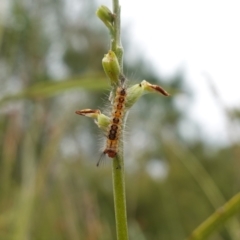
x=195 y=36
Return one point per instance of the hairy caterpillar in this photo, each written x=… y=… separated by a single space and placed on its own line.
x=121 y=100
x=114 y=130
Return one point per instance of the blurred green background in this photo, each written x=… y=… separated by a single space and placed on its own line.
x=50 y=188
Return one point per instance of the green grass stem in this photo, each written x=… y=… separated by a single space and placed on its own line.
x=219 y=217
x=119 y=199
x=118 y=172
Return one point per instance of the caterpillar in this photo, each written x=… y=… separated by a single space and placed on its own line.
x=114 y=130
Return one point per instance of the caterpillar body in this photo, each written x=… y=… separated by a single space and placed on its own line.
x=114 y=130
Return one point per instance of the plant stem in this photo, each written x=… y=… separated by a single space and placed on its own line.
x=116 y=45
x=119 y=198
x=118 y=162
x=216 y=219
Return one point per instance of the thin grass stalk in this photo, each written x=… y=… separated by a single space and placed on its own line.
x=205 y=182
x=217 y=219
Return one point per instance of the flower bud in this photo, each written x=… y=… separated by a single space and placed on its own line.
x=153 y=88
x=103 y=121
x=137 y=90
x=100 y=119
x=133 y=94
x=111 y=67
x=106 y=16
